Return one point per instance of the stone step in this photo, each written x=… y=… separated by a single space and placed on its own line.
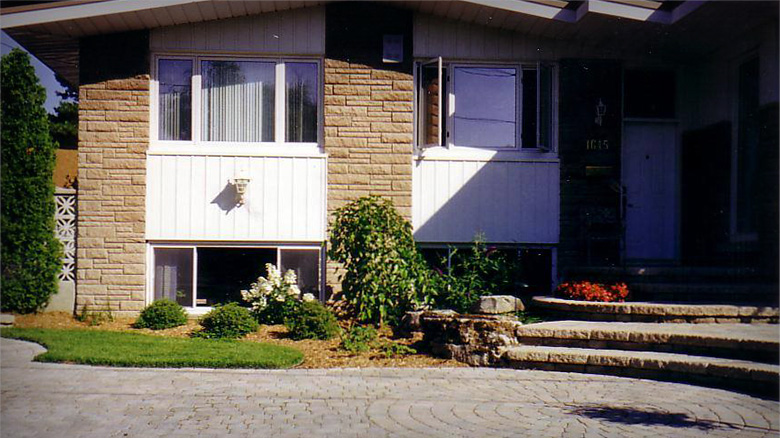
x=752 y=377
x=706 y=292
x=637 y=311
x=754 y=342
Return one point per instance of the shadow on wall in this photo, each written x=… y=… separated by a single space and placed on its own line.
x=226 y=199
x=510 y=202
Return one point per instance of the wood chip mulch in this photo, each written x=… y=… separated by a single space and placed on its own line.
x=318 y=354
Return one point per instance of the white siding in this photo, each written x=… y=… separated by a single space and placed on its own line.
x=507 y=201
x=188 y=198
x=299 y=32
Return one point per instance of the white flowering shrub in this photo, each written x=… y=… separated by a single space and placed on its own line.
x=275 y=296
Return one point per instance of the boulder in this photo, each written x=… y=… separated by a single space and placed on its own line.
x=498 y=304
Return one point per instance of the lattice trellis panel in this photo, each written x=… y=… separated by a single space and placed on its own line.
x=65 y=230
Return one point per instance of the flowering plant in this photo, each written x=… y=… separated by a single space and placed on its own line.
x=276 y=296
x=587 y=291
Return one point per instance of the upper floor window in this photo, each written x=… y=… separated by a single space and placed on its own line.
x=202 y=100
x=501 y=107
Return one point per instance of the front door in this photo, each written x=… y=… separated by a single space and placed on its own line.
x=650 y=180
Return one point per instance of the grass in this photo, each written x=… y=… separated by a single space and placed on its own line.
x=94 y=347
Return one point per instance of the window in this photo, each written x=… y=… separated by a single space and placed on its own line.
x=485 y=106
x=237 y=101
x=203 y=276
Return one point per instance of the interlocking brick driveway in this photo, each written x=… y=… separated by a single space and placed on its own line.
x=50 y=400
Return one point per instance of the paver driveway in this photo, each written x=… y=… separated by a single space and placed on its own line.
x=49 y=400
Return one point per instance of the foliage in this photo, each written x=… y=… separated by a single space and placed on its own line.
x=528 y=318
x=276 y=297
x=31 y=254
x=479 y=272
x=229 y=321
x=587 y=291
x=358 y=339
x=64 y=125
x=384 y=275
x=312 y=320
x=393 y=349
x=94 y=318
x=161 y=314
x=97 y=347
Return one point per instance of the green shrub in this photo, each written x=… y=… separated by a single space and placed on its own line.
x=480 y=271
x=30 y=253
x=275 y=298
x=384 y=275
x=161 y=314
x=358 y=339
x=312 y=321
x=228 y=321
x=94 y=317
x=393 y=349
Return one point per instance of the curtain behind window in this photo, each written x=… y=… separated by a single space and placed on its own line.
x=238 y=101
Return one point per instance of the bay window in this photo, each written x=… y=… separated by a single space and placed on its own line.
x=497 y=107
x=218 y=101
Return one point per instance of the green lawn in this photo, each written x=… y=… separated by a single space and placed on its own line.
x=124 y=349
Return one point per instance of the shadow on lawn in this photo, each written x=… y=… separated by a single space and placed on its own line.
x=646 y=417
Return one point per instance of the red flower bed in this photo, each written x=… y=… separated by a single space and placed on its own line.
x=587 y=291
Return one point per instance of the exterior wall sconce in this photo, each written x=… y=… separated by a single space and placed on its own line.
x=240 y=183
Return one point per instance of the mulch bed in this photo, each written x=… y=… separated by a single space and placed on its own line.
x=318 y=354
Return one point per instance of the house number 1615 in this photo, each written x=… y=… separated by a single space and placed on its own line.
x=596 y=145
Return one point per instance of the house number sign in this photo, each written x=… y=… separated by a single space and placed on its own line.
x=596 y=145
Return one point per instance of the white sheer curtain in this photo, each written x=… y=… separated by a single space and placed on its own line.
x=173 y=275
x=238 y=101
x=175 y=103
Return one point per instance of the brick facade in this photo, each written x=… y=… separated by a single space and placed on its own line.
x=113 y=138
x=368 y=136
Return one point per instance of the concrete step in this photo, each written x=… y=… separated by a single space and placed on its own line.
x=754 y=342
x=706 y=292
x=751 y=377
x=637 y=311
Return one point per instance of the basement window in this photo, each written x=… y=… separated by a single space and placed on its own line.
x=204 y=276
x=498 y=107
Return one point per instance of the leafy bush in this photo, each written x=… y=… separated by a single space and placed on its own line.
x=228 y=321
x=393 y=349
x=31 y=254
x=276 y=297
x=358 y=339
x=479 y=272
x=312 y=320
x=384 y=275
x=162 y=314
x=587 y=291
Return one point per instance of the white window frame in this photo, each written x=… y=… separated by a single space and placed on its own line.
x=198 y=310
x=197 y=146
x=447 y=148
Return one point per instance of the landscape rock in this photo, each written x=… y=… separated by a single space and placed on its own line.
x=498 y=304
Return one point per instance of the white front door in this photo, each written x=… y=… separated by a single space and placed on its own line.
x=650 y=179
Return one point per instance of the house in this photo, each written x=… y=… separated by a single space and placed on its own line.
x=217 y=136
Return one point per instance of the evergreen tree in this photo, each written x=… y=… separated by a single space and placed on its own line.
x=31 y=255
x=64 y=123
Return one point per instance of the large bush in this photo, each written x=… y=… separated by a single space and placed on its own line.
x=229 y=321
x=384 y=275
x=312 y=320
x=161 y=314
x=31 y=255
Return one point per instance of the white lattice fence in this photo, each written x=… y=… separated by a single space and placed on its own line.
x=65 y=230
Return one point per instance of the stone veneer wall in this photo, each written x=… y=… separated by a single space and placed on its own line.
x=113 y=138
x=368 y=137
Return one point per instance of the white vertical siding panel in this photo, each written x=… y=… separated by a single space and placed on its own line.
x=507 y=201
x=182 y=194
x=198 y=197
x=153 y=188
x=287 y=183
x=243 y=213
x=168 y=186
x=271 y=196
x=300 y=31
x=298 y=199
x=226 y=173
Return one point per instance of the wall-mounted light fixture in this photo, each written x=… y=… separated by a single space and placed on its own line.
x=240 y=182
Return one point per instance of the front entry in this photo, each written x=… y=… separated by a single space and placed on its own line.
x=650 y=180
